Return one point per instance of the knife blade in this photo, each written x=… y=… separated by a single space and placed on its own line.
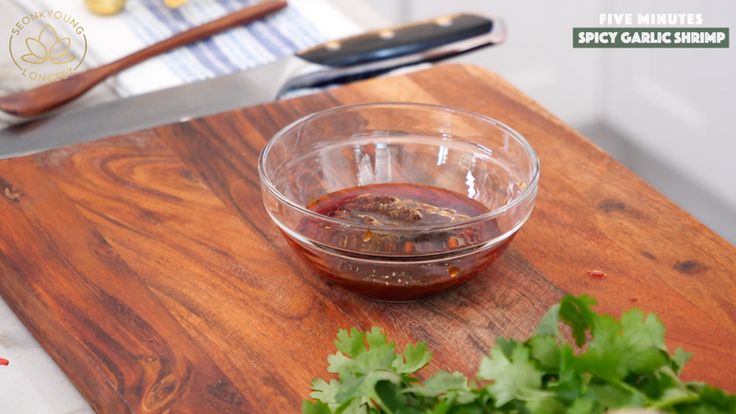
x=336 y=61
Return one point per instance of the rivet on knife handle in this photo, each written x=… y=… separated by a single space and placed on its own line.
x=399 y=41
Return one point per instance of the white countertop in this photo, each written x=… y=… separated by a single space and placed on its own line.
x=32 y=382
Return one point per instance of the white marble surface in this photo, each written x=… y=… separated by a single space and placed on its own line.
x=32 y=383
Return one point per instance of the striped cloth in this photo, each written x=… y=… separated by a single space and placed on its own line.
x=144 y=22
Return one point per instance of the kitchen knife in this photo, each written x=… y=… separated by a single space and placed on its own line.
x=335 y=61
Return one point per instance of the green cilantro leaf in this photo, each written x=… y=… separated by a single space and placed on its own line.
x=440 y=383
x=679 y=359
x=325 y=391
x=512 y=377
x=315 y=407
x=550 y=322
x=609 y=364
x=546 y=351
x=350 y=344
x=415 y=358
x=576 y=313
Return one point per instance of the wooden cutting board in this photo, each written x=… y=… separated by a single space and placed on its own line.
x=147 y=267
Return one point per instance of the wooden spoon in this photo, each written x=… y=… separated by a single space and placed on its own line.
x=45 y=98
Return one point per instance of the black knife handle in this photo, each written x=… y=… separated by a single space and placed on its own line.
x=398 y=41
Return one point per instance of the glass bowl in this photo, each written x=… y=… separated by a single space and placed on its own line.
x=398 y=200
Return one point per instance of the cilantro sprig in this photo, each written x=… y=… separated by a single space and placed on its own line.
x=594 y=364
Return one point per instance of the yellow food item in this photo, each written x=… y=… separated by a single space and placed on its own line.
x=174 y=3
x=105 y=7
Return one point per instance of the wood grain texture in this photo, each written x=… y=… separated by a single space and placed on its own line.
x=147 y=267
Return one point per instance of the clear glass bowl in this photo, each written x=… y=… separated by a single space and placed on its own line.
x=370 y=146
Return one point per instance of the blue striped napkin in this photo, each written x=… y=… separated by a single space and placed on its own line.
x=143 y=22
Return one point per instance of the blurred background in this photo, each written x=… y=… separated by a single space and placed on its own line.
x=668 y=114
x=665 y=113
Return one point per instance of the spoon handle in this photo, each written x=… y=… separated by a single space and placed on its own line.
x=48 y=97
x=203 y=31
